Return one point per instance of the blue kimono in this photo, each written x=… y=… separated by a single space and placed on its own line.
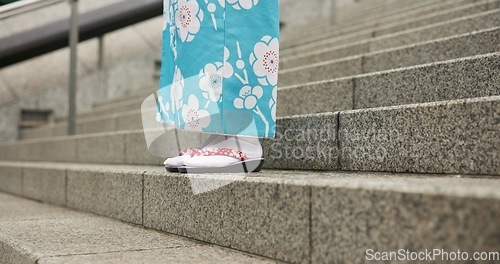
x=220 y=66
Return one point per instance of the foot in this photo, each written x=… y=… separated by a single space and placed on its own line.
x=231 y=154
x=172 y=164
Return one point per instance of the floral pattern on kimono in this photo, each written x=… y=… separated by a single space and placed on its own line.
x=220 y=65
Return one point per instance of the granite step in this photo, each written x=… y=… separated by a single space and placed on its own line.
x=143 y=92
x=34 y=232
x=361 y=7
x=475 y=76
x=343 y=21
x=346 y=13
x=455 y=136
x=442 y=49
x=290 y=61
x=381 y=14
x=425 y=15
x=117 y=105
x=130 y=120
x=292 y=216
x=406 y=56
x=458 y=46
x=418 y=33
x=132 y=104
x=453 y=79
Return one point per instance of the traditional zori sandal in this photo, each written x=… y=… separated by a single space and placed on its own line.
x=220 y=160
x=173 y=164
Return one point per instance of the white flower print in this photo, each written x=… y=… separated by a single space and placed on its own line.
x=211 y=8
x=242 y=4
x=177 y=90
x=195 y=118
x=273 y=103
x=248 y=97
x=167 y=13
x=173 y=41
x=211 y=81
x=163 y=111
x=159 y=119
x=211 y=78
x=265 y=60
x=168 y=19
x=228 y=70
x=188 y=17
x=248 y=100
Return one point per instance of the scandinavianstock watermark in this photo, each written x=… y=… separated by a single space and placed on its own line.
x=327 y=144
x=430 y=255
x=304 y=144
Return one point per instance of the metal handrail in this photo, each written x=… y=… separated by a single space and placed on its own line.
x=24 y=6
x=50 y=37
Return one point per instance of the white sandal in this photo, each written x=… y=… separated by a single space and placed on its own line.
x=173 y=164
x=221 y=160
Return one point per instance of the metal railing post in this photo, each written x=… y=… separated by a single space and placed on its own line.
x=100 y=65
x=73 y=82
x=101 y=53
x=333 y=15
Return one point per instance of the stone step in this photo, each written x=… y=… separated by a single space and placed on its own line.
x=475 y=76
x=347 y=11
x=441 y=137
x=361 y=7
x=457 y=136
x=446 y=80
x=419 y=14
x=343 y=16
x=130 y=120
x=33 y=232
x=307 y=57
x=143 y=92
x=421 y=30
x=449 y=10
x=136 y=100
x=292 y=216
x=464 y=45
x=382 y=14
x=463 y=78
x=104 y=108
x=132 y=103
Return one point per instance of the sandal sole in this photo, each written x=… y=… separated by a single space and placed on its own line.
x=233 y=168
x=171 y=169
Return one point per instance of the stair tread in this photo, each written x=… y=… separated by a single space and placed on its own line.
x=311 y=68
x=479 y=186
x=452 y=136
x=67 y=236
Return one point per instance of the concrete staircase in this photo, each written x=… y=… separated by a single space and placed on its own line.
x=100 y=239
x=388 y=138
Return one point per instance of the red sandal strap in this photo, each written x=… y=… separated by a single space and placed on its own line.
x=219 y=152
x=187 y=151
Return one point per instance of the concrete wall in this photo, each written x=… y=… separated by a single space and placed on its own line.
x=41 y=83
